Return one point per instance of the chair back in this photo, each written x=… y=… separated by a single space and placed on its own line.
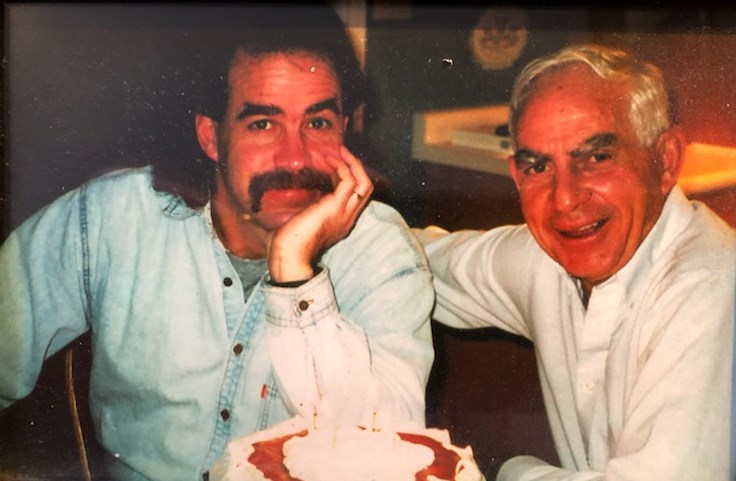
x=74 y=410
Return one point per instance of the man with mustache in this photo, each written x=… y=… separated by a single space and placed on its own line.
x=228 y=295
x=625 y=287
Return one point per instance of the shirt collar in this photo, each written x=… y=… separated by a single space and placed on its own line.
x=674 y=218
x=175 y=207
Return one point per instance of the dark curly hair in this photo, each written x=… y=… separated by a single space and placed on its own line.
x=202 y=84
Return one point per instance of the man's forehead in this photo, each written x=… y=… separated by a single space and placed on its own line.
x=311 y=61
x=280 y=80
x=572 y=108
x=269 y=66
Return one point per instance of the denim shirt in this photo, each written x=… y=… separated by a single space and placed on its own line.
x=182 y=363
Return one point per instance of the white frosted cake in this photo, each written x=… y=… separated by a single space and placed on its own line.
x=295 y=451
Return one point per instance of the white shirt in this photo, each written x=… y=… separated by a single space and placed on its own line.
x=636 y=387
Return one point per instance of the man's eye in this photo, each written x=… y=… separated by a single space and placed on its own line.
x=529 y=163
x=601 y=156
x=262 y=124
x=536 y=167
x=320 y=124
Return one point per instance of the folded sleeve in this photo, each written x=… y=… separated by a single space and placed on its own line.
x=354 y=343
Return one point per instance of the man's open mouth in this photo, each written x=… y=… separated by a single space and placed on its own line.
x=583 y=231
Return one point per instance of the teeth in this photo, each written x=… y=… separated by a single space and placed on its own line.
x=589 y=226
x=585 y=230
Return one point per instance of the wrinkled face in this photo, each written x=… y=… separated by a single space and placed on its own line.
x=590 y=192
x=284 y=116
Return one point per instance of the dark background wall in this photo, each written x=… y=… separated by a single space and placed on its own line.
x=83 y=95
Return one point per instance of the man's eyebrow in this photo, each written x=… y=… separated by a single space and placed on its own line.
x=329 y=104
x=524 y=157
x=597 y=141
x=249 y=110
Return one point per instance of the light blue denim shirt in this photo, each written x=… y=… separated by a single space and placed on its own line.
x=182 y=363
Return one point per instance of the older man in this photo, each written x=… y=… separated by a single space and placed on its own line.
x=625 y=287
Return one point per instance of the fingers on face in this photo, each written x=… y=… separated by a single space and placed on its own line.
x=363 y=185
x=354 y=187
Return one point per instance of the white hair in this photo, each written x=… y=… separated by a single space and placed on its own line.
x=649 y=110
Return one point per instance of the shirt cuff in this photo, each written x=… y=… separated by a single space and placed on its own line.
x=524 y=468
x=271 y=282
x=302 y=305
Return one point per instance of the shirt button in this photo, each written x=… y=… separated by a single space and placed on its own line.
x=225 y=414
x=303 y=305
x=237 y=349
x=227 y=281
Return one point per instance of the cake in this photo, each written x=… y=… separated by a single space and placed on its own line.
x=295 y=451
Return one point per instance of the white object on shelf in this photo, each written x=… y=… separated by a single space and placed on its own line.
x=482 y=137
x=432 y=138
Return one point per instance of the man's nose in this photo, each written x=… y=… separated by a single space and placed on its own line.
x=293 y=153
x=568 y=190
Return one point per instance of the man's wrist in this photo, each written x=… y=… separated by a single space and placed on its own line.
x=295 y=283
x=288 y=268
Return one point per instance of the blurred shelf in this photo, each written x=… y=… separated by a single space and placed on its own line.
x=432 y=138
x=708 y=168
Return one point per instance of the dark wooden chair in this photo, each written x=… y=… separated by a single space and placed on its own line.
x=48 y=434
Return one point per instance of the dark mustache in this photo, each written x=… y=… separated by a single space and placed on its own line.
x=306 y=178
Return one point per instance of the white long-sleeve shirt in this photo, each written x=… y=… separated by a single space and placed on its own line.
x=637 y=387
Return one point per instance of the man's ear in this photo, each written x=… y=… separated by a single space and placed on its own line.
x=671 y=152
x=207 y=135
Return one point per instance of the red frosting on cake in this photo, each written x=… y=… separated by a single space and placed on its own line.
x=445 y=461
x=268 y=457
